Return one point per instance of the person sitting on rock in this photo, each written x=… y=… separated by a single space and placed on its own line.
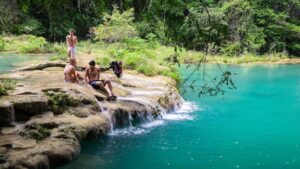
x=92 y=74
x=71 y=75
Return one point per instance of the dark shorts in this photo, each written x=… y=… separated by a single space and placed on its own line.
x=95 y=85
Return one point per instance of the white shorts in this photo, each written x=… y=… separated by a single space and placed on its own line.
x=72 y=50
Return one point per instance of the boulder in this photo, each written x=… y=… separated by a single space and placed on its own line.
x=26 y=106
x=6 y=113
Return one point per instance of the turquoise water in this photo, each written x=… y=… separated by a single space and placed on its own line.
x=11 y=61
x=256 y=126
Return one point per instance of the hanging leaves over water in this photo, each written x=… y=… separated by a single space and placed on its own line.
x=204 y=84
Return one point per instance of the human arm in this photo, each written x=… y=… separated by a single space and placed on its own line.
x=73 y=75
x=67 y=40
x=86 y=75
x=76 y=41
x=98 y=75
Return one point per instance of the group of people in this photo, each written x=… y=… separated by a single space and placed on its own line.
x=91 y=73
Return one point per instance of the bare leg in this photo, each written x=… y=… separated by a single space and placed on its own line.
x=79 y=76
x=101 y=85
x=108 y=84
x=69 y=53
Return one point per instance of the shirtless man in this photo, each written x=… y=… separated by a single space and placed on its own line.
x=92 y=74
x=71 y=75
x=71 y=43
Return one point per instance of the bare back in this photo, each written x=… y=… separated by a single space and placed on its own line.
x=70 y=73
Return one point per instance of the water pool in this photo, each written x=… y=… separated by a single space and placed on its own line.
x=256 y=126
x=11 y=61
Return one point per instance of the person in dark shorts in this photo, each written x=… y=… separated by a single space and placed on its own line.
x=92 y=74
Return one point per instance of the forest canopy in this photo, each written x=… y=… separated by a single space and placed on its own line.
x=231 y=27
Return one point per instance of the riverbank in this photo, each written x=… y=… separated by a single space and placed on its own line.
x=253 y=60
x=44 y=119
x=138 y=54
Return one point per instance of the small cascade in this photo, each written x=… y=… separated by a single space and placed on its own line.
x=17 y=126
x=145 y=102
x=108 y=117
x=111 y=126
x=180 y=111
x=130 y=119
x=13 y=116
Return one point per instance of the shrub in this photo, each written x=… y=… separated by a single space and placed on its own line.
x=26 y=44
x=116 y=27
x=2 y=44
x=147 y=69
x=103 y=61
x=152 y=40
x=34 y=45
x=133 y=61
x=6 y=85
x=232 y=49
x=60 y=50
x=31 y=26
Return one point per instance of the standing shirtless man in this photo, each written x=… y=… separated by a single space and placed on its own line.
x=92 y=74
x=71 y=43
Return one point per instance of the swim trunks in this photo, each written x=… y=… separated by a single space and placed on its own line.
x=93 y=83
x=72 y=50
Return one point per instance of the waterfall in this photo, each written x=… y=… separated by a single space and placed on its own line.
x=17 y=126
x=145 y=102
x=13 y=117
x=111 y=126
x=108 y=117
x=130 y=119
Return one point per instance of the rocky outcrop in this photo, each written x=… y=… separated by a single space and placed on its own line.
x=7 y=113
x=44 y=119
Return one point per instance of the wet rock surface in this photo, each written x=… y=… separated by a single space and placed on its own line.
x=44 y=119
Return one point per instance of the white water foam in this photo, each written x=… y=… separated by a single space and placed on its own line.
x=152 y=124
x=185 y=112
x=145 y=102
x=177 y=117
x=188 y=107
x=108 y=117
x=128 y=131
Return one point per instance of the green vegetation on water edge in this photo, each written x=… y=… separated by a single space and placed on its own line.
x=147 y=56
x=232 y=27
x=117 y=38
x=6 y=85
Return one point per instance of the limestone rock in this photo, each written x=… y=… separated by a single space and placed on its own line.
x=6 y=113
x=57 y=116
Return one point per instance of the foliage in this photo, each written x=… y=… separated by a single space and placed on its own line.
x=2 y=44
x=6 y=85
x=34 y=45
x=31 y=26
x=141 y=55
x=255 y=26
x=26 y=44
x=116 y=27
x=36 y=131
x=60 y=52
x=59 y=102
x=58 y=16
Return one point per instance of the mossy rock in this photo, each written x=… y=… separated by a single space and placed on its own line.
x=59 y=102
x=36 y=131
x=3 y=155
